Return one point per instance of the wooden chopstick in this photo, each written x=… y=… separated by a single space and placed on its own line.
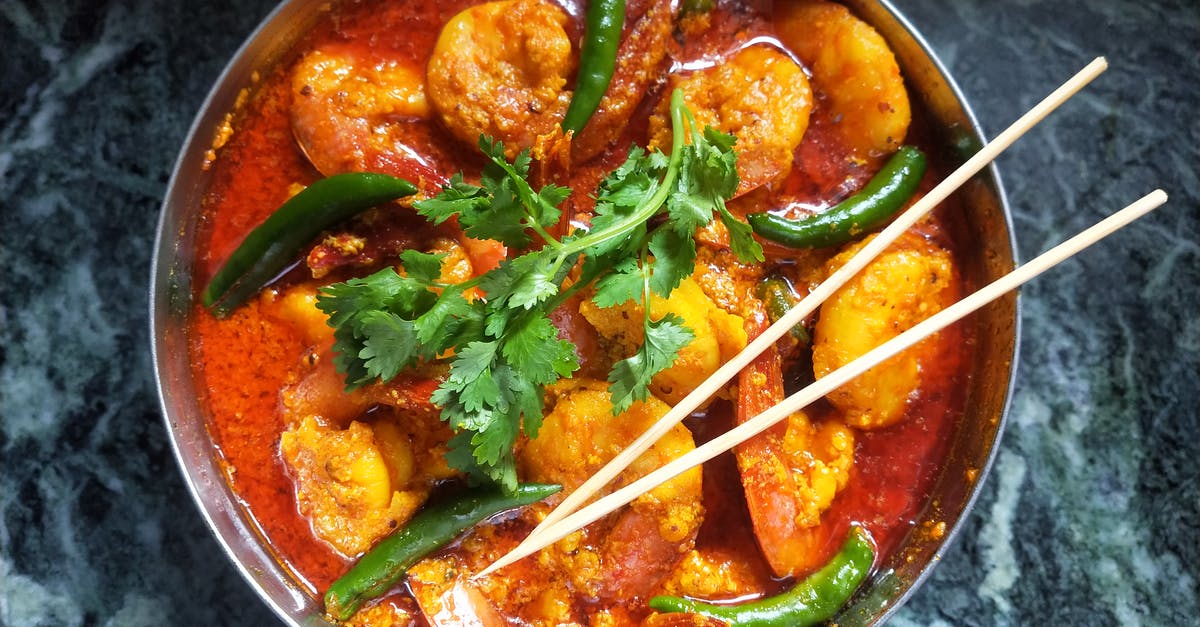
x=730 y=369
x=833 y=380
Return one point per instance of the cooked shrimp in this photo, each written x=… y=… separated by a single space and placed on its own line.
x=623 y=561
x=345 y=486
x=618 y=560
x=642 y=50
x=316 y=387
x=907 y=283
x=760 y=96
x=358 y=482
x=711 y=575
x=351 y=113
x=790 y=473
x=447 y=597
x=385 y=614
x=853 y=69
x=500 y=69
x=297 y=307
x=718 y=336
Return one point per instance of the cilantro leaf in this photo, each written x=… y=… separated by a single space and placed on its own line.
x=623 y=284
x=472 y=362
x=459 y=197
x=741 y=238
x=534 y=344
x=425 y=268
x=389 y=344
x=385 y=289
x=446 y=322
x=503 y=221
x=523 y=282
x=630 y=378
x=674 y=260
x=348 y=346
x=502 y=348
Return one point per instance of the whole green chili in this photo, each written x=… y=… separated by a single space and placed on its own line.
x=429 y=530
x=597 y=61
x=813 y=600
x=273 y=245
x=776 y=294
x=885 y=194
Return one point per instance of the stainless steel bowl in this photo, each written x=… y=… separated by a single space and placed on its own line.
x=970 y=453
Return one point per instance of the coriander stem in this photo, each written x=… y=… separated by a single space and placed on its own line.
x=691 y=120
x=645 y=267
x=651 y=206
x=528 y=199
x=545 y=235
x=563 y=295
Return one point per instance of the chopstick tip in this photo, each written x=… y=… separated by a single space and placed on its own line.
x=504 y=560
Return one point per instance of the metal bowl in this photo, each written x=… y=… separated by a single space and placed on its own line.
x=969 y=455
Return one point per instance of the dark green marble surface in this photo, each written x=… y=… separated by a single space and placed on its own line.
x=1091 y=515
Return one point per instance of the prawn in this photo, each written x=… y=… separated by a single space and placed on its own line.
x=911 y=280
x=760 y=96
x=354 y=485
x=354 y=113
x=790 y=472
x=641 y=545
x=642 y=50
x=852 y=69
x=616 y=561
x=500 y=69
x=718 y=335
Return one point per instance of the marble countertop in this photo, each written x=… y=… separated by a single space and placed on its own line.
x=1092 y=512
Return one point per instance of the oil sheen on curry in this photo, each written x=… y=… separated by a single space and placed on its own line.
x=332 y=452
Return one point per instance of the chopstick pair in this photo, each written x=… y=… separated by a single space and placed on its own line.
x=564 y=519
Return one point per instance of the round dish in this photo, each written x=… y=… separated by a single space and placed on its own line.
x=968 y=454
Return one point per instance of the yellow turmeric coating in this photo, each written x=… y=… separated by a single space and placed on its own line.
x=719 y=336
x=710 y=575
x=344 y=485
x=456 y=264
x=907 y=283
x=501 y=69
x=819 y=457
x=297 y=306
x=644 y=540
x=760 y=96
x=381 y=615
x=341 y=107
x=853 y=69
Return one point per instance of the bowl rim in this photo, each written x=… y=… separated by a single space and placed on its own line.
x=993 y=173
x=164 y=292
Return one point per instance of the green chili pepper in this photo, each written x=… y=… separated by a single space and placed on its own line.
x=597 y=61
x=696 y=7
x=813 y=600
x=776 y=293
x=433 y=527
x=272 y=245
x=887 y=191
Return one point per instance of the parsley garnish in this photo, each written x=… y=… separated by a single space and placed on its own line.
x=502 y=348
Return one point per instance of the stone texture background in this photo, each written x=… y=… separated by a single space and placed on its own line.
x=1090 y=516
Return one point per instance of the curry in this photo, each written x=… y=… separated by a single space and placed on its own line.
x=815 y=107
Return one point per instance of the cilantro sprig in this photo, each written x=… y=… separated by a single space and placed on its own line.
x=502 y=348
